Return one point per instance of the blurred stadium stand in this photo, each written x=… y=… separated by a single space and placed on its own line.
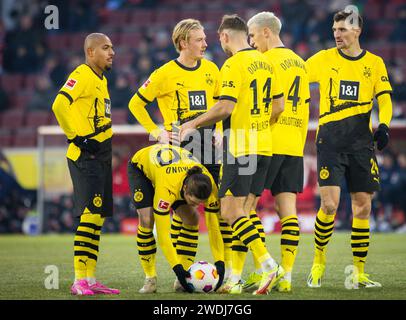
x=141 y=34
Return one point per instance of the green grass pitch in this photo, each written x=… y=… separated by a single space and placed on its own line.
x=23 y=262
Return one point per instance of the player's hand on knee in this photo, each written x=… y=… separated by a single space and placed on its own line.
x=89 y=145
x=381 y=136
x=182 y=274
x=221 y=270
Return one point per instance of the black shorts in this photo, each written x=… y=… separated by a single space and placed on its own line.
x=141 y=187
x=244 y=175
x=359 y=169
x=92 y=184
x=285 y=174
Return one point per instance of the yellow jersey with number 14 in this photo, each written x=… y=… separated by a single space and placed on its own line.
x=248 y=79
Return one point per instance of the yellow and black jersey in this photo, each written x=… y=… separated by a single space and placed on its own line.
x=166 y=167
x=348 y=86
x=90 y=106
x=248 y=79
x=182 y=93
x=290 y=131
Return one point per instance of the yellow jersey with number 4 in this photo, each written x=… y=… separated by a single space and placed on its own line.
x=290 y=131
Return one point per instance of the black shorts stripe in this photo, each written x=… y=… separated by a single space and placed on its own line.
x=186 y=252
x=143 y=98
x=223 y=224
x=228 y=240
x=323 y=224
x=240 y=248
x=87 y=235
x=146 y=252
x=211 y=210
x=173 y=227
x=289 y=242
x=85 y=253
x=67 y=95
x=86 y=244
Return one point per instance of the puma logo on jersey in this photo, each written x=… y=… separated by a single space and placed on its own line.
x=336 y=70
x=84 y=262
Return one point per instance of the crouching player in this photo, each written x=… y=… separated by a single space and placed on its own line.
x=164 y=177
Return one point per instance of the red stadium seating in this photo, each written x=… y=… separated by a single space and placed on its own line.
x=400 y=51
x=119 y=116
x=25 y=137
x=13 y=118
x=166 y=17
x=37 y=118
x=6 y=137
x=11 y=82
x=140 y=17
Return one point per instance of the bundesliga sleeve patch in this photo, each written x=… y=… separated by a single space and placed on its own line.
x=70 y=84
x=163 y=205
x=146 y=83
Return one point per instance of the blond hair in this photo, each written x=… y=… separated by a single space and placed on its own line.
x=266 y=19
x=182 y=30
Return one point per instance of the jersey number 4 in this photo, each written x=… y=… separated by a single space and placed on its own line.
x=293 y=94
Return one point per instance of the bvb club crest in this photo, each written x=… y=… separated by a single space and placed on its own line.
x=97 y=201
x=367 y=72
x=324 y=174
x=209 y=79
x=138 y=196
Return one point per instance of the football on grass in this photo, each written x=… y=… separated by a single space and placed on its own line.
x=203 y=276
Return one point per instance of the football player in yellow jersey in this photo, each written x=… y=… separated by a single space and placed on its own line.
x=285 y=175
x=250 y=98
x=349 y=78
x=162 y=177
x=185 y=88
x=83 y=110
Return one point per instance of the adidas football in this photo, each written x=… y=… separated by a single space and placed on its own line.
x=203 y=276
